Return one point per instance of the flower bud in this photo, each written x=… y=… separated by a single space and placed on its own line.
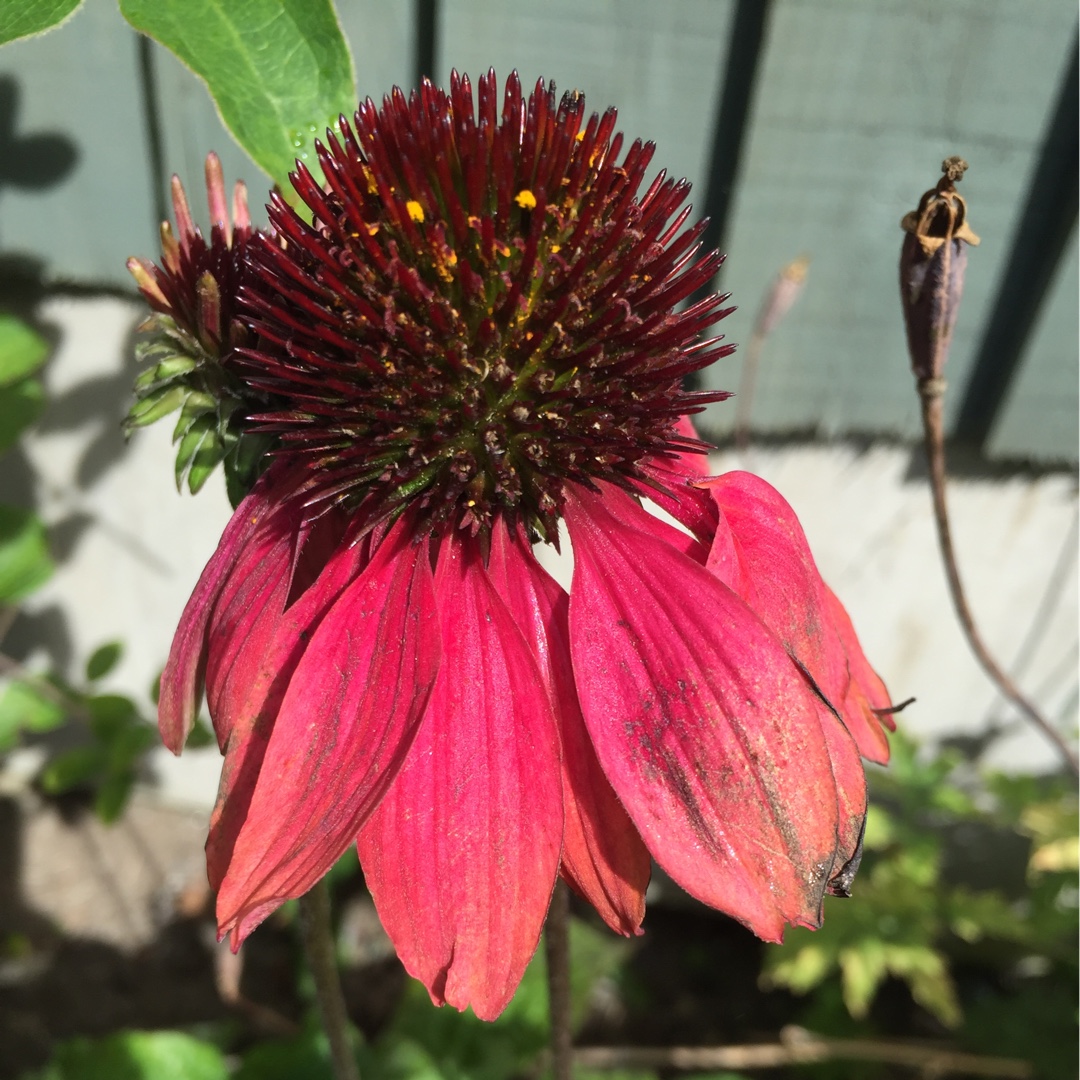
x=932 y=264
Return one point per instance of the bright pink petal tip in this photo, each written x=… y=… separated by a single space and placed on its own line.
x=706 y=729
x=462 y=853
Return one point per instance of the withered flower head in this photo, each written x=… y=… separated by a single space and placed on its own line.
x=932 y=264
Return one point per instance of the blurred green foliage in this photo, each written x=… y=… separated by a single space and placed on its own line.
x=967 y=869
x=24 y=557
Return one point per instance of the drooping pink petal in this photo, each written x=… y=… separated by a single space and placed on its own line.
x=603 y=856
x=760 y=551
x=246 y=617
x=249 y=537
x=245 y=705
x=850 y=780
x=867 y=692
x=343 y=728
x=688 y=504
x=462 y=853
x=704 y=726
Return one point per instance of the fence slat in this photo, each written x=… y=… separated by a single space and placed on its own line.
x=857 y=105
x=79 y=87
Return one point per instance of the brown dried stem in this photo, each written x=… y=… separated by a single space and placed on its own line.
x=931 y=398
x=557 y=944
x=800 y=1047
x=319 y=947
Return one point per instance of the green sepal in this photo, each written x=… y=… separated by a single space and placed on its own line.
x=200 y=451
x=245 y=461
x=196 y=404
x=175 y=366
x=155 y=405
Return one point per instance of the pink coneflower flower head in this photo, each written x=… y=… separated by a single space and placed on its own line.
x=474 y=343
x=194 y=295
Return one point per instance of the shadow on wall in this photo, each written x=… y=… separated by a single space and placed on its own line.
x=30 y=162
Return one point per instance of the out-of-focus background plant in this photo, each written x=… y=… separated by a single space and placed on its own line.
x=959 y=947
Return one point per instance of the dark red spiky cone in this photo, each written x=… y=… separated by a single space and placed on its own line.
x=483 y=309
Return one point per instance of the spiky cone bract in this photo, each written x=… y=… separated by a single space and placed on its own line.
x=474 y=343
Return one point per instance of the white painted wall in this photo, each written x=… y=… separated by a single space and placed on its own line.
x=130 y=572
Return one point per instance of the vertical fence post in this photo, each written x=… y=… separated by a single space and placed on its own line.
x=1041 y=237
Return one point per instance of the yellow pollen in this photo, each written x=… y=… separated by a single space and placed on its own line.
x=579 y=136
x=416 y=211
x=556 y=248
x=525 y=199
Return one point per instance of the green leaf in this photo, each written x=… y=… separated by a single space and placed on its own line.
x=279 y=70
x=24 y=555
x=20 y=406
x=110 y=714
x=113 y=796
x=22 y=350
x=24 y=18
x=73 y=768
x=103 y=660
x=129 y=744
x=139 y=1055
x=26 y=707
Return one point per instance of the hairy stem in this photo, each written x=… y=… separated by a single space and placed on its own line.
x=319 y=947
x=931 y=397
x=557 y=942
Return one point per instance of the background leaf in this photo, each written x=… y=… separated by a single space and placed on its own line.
x=279 y=70
x=26 y=707
x=20 y=406
x=103 y=660
x=22 y=350
x=139 y=1055
x=22 y=18
x=24 y=556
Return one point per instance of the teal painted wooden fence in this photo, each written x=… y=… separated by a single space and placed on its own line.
x=808 y=126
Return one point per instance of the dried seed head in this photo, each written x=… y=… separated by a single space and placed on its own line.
x=932 y=264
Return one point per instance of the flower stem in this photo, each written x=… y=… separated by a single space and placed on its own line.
x=931 y=397
x=557 y=942
x=319 y=947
